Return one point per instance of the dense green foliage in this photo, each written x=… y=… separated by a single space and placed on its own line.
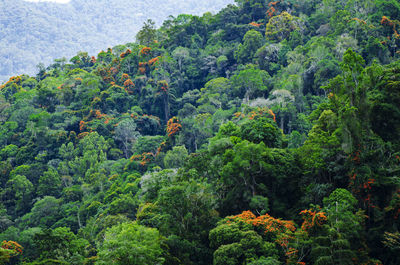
x=265 y=134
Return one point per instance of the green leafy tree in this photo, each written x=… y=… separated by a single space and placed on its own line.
x=147 y=35
x=241 y=173
x=17 y=195
x=194 y=211
x=45 y=213
x=261 y=129
x=175 y=157
x=130 y=243
x=252 y=41
x=5 y=219
x=126 y=134
x=189 y=221
x=250 y=83
x=340 y=240
x=214 y=95
x=279 y=27
x=49 y=183
x=60 y=246
x=85 y=159
x=147 y=144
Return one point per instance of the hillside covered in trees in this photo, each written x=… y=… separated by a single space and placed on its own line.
x=268 y=133
x=34 y=33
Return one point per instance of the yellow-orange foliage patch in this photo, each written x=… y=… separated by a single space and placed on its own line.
x=173 y=126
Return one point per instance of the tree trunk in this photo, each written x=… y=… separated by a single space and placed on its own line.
x=166 y=108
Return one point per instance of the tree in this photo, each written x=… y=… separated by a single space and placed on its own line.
x=181 y=55
x=45 y=213
x=175 y=157
x=183 y=59
x=245 y=238
x=147 y=35
x=5 y=219
x=17 y=196
x=252 y=41
x=129 y=64
x=251 y=82
x=279 y=27
x=265 y=261
x=187 y=223
x=9 y=250
x=49 y=183
x=46 y=98
x=167 y=95
x=258 y=129
x=242 y=172
x=341 y=235
x=214 y=94
x=85 y=159
x=130 y=243
x=127 y=135
x=385 y=112
x=60 y=246
x=147 y=144
x=281 y=98
x=173 y=127
x=193 y=213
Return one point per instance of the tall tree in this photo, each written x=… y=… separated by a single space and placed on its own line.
x=147 y=35
x=130 y=243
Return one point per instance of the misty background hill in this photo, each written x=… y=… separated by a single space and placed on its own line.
x=41 y=32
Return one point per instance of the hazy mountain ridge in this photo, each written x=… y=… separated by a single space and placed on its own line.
x=40 y=32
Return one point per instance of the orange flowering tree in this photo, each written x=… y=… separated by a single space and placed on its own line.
x=142 y=68
x=266 y=224
x=260 y=112
x=272 y=9
x=93 y=60
x=129 y=86
x=13 y=80
x=8 y=250
x=124 y=77
x=274 y=232
x=126 y=53
x=82 y=125
x=11 y=87
x=154 y=60
x=255 y=24
x=235 y=240
x=173 y=126
x=145 y=51
x=283 y=233
x=143 y=159
x=312 y=219
x=391 y=23
x=106 y=74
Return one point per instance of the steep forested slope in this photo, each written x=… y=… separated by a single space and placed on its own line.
x=265 y=134
x=33 y=33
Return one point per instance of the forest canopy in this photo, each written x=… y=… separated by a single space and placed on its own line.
x=267 y=133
